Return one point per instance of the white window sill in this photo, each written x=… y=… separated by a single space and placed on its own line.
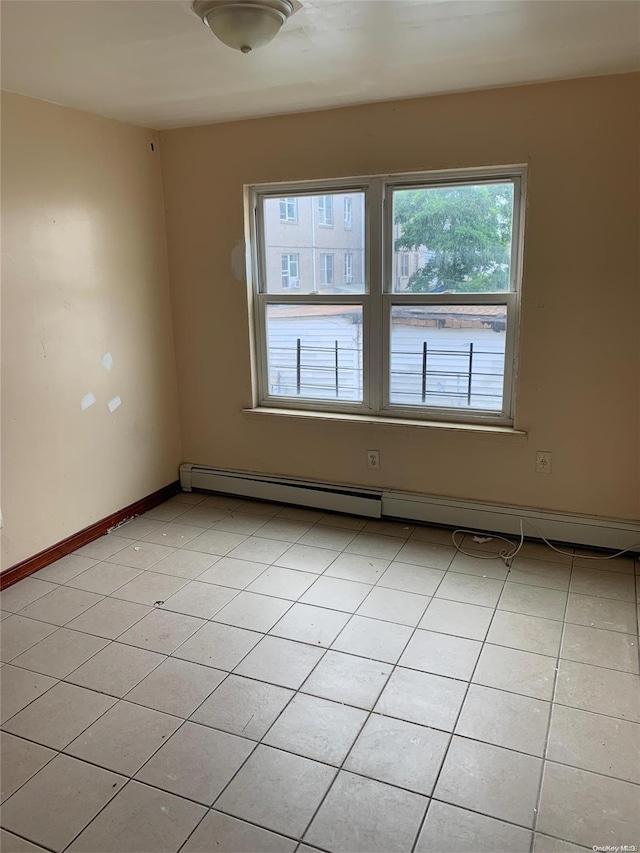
x=343 y=417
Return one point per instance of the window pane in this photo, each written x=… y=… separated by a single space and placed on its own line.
x=448 y=356
x=459 y=236
x=292 y=227
x=315 y=351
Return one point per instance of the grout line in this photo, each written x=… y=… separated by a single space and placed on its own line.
x=550 y=720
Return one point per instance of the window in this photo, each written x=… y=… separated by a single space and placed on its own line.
x=326 y=269
x=348 y=213
x=290 y=272
x=348 y=268
x=288 y=210
x=325 y=210
x=428 y=329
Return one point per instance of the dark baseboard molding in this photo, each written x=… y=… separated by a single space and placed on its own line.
x=72 y=543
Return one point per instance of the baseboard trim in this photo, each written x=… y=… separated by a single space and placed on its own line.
x=77 y=540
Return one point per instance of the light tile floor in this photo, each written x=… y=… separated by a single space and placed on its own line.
x=239 y=676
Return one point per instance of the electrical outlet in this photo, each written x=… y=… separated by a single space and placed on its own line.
x=373 y=459
x=543 y=462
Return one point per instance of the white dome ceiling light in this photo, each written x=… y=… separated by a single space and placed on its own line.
x=244 y=24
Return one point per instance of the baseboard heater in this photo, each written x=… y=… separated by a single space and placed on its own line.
x=591 y=531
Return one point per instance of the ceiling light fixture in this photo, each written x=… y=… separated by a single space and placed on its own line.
x=244 y=24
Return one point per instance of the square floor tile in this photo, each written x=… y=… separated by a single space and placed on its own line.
x=353 y=567
x=284 y=529
x=541 y=551
x=533 y=601
x=59 y=716
x=229 y=572
x=103 y=547
x=389 y=528
x=259 y=550
x=59 y=801
x=60 y=653
x=491 y=780
x=393 y=605
x=20 y=761
x=441 y=654
x=224 y=833
x=432 y=533
x=606 y=613
x=19 y=688
x=277 y=790
x=306 y=558
x=150 y=588
x=124 y=738
x=604 y=561
x=316 y=728
x=10 y=843
x=185 y=564
x=399 y=753
x=593 y=742
x=480 y=566
x=528 y=633
x=65 y=568
x=196 y=762
x=505 y=719
x=199 y=599
x=161 y=631
x=603 y=691
x=371 y=638
x=451 y=828
x=469 y=589
x=176 y=687
x=282 y=583
x=167 y=511
x=281 y=662
x=600 y=648
x=419 y=697
x=373 y=545
x=109 y=618
x=60 y=606
x=140 y=819
x=419 y=579
x=243 y=706
x=249 y=610
x=330 y=537
x=612 y=813
x=296 y=513
x=116 y=669
x=336 y=594
x=240 y=522
x=546 y=844
x=21 y=594
x=518 y=672
x=540 y=573
x=349 y=679
x=103 y=578
x=426 y=554
x=18 y=634
x=140 y=555
x=226 y=503
x=458 y=619
x=217 y=645
x=173 y=535
x=343 y=522
x=361 y=814
x=316 y=626
x=606 y=584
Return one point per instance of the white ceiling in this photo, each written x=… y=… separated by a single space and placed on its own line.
x=153 y=63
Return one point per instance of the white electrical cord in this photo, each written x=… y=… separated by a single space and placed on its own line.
x=507 y=555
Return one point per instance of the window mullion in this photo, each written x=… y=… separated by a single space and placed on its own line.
x=373 y=323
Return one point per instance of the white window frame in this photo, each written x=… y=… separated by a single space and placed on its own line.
x=327 y=269
x=325 y=211
x=348 y=213
x=378 y=297
x=293 y=281
x=348 y=267
x=290 y=209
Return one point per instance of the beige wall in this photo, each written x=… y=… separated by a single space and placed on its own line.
x=579 y=369
x=84 y=273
